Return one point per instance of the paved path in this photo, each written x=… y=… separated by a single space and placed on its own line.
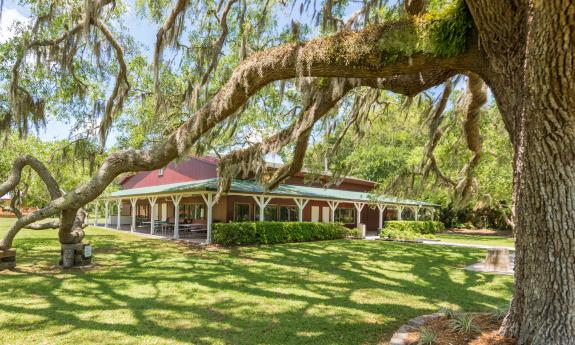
x=477 y=246
x=441 y=243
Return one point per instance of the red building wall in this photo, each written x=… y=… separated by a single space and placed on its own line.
x=184 y=171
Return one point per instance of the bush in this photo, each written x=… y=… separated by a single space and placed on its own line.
x=403 y=235
x=463 y=323
x=417 y=227
x=276 y=232
x=355 y=233
x=426 y=336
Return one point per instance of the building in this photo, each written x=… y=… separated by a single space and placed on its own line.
x=148 y=202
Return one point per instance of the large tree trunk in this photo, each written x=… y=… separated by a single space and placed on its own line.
x=543 y=306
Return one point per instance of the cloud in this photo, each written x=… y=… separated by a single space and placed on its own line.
x=9 y=18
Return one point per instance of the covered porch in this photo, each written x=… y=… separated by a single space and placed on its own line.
x=187 y=211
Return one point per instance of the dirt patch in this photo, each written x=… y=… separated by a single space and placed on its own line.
x=479 y=232
x=445 y=336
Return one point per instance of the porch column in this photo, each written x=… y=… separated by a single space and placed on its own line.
x=176 y=200
x=106 y=214
x=119 y=215
x=399 y=211
x=209 y=200
x=96 y=213
x=152 y=201
x=262 y=202
x=332 y=206
x=416 y=211
x=432 y=213
x=358 y=207
x=300 y=205
x=381 y=209
x=134 y=202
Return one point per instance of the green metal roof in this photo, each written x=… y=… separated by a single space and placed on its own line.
x=252 y=187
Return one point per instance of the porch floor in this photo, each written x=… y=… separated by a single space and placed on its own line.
x=196 y=237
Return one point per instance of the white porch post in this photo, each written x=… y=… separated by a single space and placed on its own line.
x=176 y=200
x=358 y=207
x=96 y=213
x=262 y=202
x=119 y=215
x=416 y=210
x=209 y=200
x=399 y=211
x=134 y=202
x=152 y=201
x=333 y=205
x=300 y=205
x=432 y=213
x=106 y=212
x=381 y=209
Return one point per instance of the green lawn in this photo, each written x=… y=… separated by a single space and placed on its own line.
x=484 y=240
x=145 y=291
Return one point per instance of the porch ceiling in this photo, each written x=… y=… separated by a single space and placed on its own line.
x=252 y=187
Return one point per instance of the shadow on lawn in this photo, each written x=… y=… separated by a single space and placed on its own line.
x=333 y=292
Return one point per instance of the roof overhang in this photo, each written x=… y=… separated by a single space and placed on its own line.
x=250 y=187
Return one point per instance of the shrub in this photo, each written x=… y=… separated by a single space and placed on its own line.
x=417 y=227
x=394 y=234
x=276 y=232
x=355 y=233
x=426 y=336
x=463 y=323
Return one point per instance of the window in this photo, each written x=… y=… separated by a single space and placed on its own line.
x=345 y=215
x=192 y=211
x=161 y=172
x=143 y=211
x=288 y=214
x=241 y=212
x=270 y=213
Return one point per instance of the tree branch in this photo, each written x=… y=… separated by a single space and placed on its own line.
x=333 y=56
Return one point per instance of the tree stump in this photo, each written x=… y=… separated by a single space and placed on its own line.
x=498 y=260
x=74 y=255
x=7 y=259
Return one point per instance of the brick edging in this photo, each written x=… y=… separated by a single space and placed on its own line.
x=398 y=337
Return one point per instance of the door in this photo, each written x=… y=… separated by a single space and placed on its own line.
x=155 y=212
x=315 y=213
x=325 y=214
x=164 y=212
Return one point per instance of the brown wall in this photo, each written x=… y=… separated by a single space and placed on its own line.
x=346 y=184
x=184 y=171
x=223 y=211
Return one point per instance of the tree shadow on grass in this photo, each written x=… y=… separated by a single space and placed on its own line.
x=147 y=291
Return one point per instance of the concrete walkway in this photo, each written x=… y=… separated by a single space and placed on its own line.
x=476 y=246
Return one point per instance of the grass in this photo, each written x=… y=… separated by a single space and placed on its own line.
x=484 y=240
x=146 y=291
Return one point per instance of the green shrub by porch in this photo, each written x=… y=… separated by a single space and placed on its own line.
x=418 y=227
x=276 y=232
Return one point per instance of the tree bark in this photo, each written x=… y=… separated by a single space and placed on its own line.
x=543 y=306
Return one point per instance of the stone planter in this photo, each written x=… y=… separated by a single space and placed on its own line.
x=399 y=337
x=7 y=259
x=73 y=255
